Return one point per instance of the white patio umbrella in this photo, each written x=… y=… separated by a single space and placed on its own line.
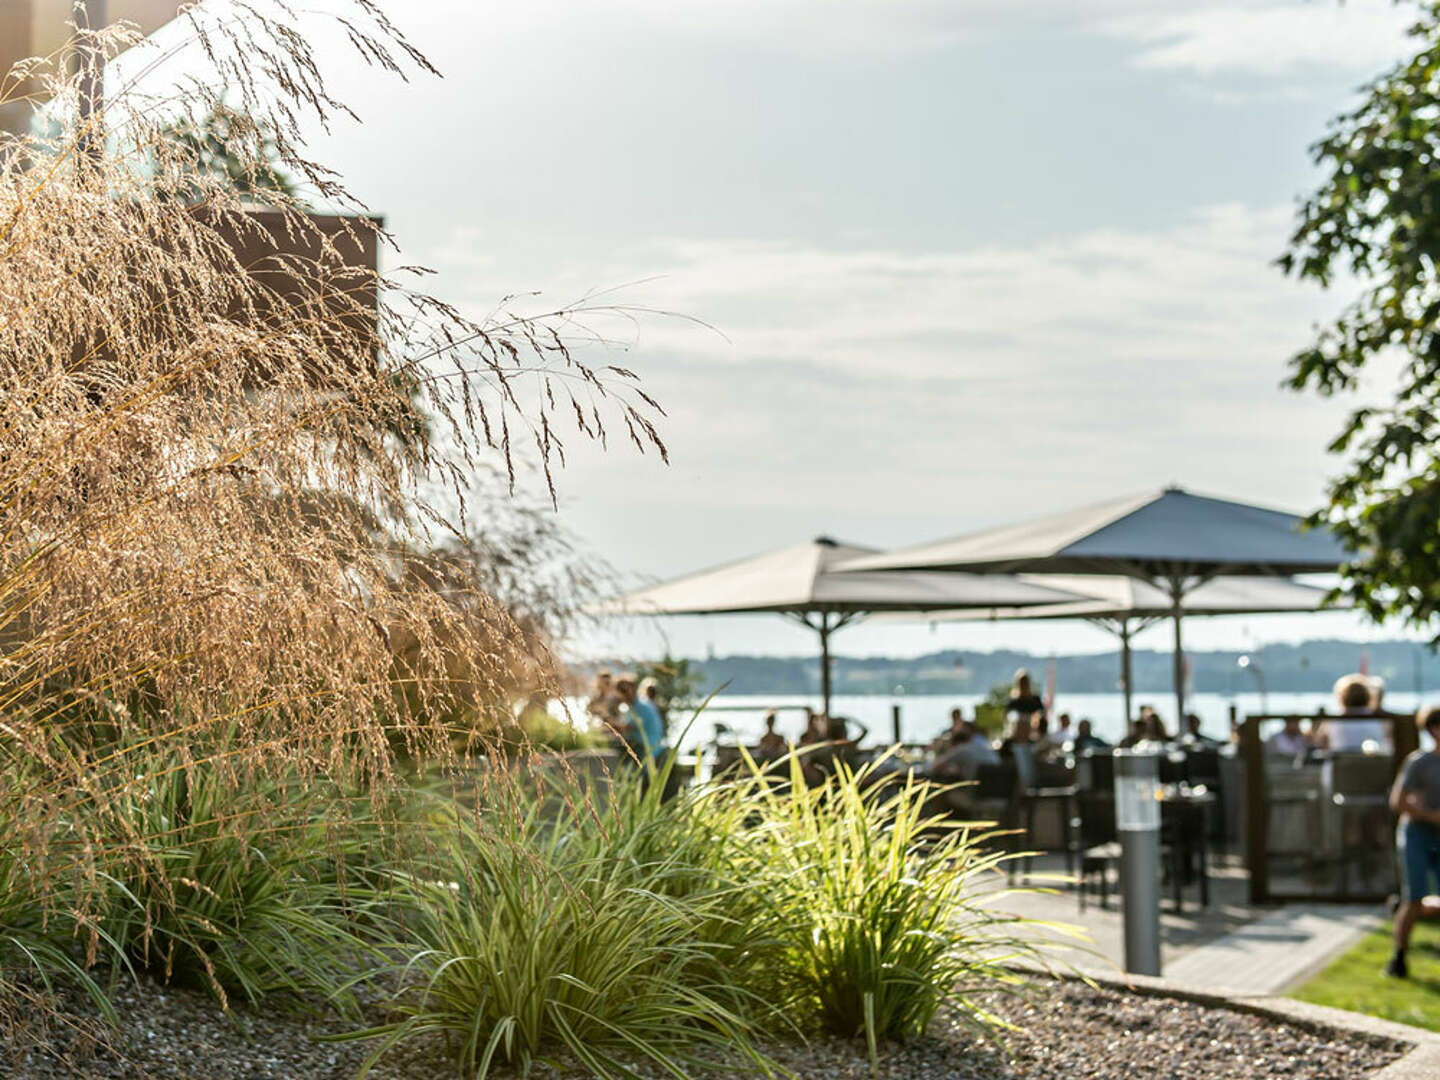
x=799 y=583
x=1126 y=606
x=1171 y=539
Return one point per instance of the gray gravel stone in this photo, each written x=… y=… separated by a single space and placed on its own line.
x=1063 y=1030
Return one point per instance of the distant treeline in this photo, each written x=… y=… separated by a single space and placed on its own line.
x=1309 y=666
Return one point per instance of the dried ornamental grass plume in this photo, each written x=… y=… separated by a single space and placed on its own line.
x=213 y=449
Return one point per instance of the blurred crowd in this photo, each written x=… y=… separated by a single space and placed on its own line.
x=1357 y=697
x=627 y=708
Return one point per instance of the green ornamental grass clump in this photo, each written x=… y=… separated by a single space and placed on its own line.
x=615 y=926
x=238 y=887
x=877 y=903
x=603 y=924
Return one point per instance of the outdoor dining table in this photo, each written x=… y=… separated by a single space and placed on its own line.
x=1184 y=815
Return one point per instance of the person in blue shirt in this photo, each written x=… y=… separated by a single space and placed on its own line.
x=644 y=731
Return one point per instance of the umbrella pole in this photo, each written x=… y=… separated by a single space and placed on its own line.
x=824 y=629
x=1125 y=671
x=1176 y=592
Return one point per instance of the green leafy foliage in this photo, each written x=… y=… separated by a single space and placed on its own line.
x=1377 y=215
x=539 y=729
x=990 y=713
x=209 y=143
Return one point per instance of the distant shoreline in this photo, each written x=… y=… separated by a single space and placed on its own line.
x=1306 y=667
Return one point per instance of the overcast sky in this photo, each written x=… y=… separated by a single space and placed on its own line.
x=968 y=260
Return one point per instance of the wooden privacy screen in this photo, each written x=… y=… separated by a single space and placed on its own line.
x=1330 y=840
x=326 y=271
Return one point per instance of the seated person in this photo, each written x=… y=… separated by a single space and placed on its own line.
x=1356 y=695
x=1290 y=740
x=837 y=746
x=962 y=761
x=816 y=724
x=772 y=743
x=1086 y=739
x=957 y=732
x=1135 y=736
x=1193 y=735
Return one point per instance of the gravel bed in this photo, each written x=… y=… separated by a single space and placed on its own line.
x=169 y=1033
x=1064 y=1030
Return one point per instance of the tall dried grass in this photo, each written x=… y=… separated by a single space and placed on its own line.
x=233 y=505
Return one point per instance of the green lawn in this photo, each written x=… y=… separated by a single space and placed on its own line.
x=1353 y=980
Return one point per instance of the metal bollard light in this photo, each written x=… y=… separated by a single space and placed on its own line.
x=1137 y=821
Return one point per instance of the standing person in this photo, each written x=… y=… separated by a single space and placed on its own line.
x=649 y=690
x=1416 y=799
x=1017 y=748
x=643 y=730
x=1023 y=699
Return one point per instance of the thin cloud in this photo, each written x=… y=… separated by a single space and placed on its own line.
x=1273 y=40
x=1104 y=361
x=1185 y=293
x=1204 y=36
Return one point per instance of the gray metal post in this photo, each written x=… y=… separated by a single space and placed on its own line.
x=825 y=663
x=1126 y=672
x=1177 y=593
x=895 y=723
x=1137 y=821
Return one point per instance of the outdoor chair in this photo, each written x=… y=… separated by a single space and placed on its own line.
x=996 y=798
x=727 y=758
x=1172 y=766
x=1202 y=766
x=1099 y=843
x=1182 y=831
x=1054 y=784
x=1183 y=839
x=1095 y=803
x=1095 y=771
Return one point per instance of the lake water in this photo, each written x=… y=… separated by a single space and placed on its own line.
x=923 y=716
